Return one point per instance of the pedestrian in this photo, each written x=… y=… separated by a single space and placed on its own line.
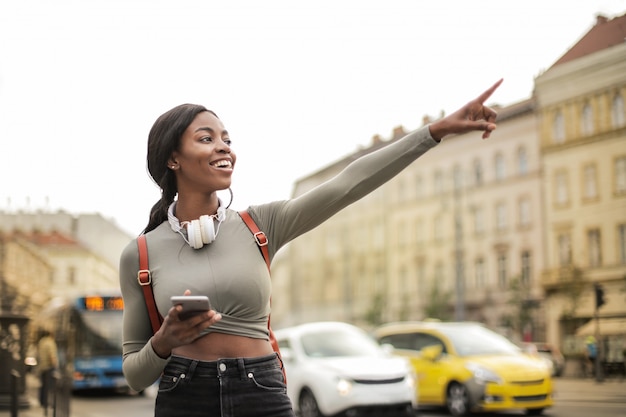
x=47 y=362
x=220 y=363
x=591 y=353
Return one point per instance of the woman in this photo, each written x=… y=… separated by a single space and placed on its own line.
x=221 y=362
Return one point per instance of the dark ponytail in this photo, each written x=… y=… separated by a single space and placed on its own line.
x=163 y=140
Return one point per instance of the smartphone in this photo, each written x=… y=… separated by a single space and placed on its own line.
x=192 y=304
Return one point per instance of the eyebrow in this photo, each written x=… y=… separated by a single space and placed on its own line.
x=210 y=130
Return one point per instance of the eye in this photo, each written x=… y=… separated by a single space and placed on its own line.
x=206 y=139
x=228 y=141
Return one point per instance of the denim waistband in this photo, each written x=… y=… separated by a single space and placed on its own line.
x=222 y=367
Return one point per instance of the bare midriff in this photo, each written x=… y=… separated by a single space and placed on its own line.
x=214 y=346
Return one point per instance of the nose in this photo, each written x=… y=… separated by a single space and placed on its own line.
x=223 y=147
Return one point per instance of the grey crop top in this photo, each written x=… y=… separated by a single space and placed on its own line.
x=231 y=270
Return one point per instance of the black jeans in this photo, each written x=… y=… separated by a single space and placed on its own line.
x=240 y=387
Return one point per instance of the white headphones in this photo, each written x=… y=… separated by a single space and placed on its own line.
x=201 y=231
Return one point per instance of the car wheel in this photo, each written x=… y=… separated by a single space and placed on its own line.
x=534 y=411
x=308 y=405
x=457 y=399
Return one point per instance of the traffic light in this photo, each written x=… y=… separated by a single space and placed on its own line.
x=600 y=301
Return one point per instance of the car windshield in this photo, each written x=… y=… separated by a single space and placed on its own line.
x=339 y=342
x=477 y=340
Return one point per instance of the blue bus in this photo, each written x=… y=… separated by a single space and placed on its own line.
x=88 y=332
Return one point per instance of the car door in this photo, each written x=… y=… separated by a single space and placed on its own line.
x=431 y=366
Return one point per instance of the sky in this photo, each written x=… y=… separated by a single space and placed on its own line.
x=298 y=84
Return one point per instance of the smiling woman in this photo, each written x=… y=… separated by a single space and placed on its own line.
x=222 y=360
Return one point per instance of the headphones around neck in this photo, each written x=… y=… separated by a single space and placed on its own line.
x=201 y=231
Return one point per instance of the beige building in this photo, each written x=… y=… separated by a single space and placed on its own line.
x=450 y=236
x=486 y=230
x=46 y=255
x=23 y=272
x=583 y=141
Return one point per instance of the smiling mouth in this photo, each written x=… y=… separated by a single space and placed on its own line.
x=224 y=163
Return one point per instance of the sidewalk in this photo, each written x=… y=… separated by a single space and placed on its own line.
x=589 y=390
x=566 y=389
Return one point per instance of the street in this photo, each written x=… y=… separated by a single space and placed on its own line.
x=574 y=398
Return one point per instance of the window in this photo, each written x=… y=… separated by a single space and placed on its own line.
x=500 y=169
x=590 y=188
x=587 y=119
x=438 y=229
x=565 y=249
x=419 y=232
x=403 y=196
x=621 y=237
x=421 y=278
x=419 y=187
x=71 y=276
x=479 y=273
x=439 y=278
x=524 y=212
x=457 y=177
x=593 y=243
x=502 y=271
x=617 y=111
x=522 y=162
x=403 y=234
x=438 y=182
x=526 y=268
x=620 y=175
x=500 y=216
x=561 y=190
x=479 y=221
x=558 y=128
x=478 y=173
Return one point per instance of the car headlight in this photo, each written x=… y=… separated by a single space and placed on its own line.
x=411 y=378
x=344 y=386
x=482 y=374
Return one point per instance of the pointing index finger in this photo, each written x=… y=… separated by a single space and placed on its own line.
x=484 y=96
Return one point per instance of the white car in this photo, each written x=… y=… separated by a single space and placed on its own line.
x=335 y=368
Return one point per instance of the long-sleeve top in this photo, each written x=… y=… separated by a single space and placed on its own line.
x=231 y=270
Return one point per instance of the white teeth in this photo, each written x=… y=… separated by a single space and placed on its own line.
x=222 y=164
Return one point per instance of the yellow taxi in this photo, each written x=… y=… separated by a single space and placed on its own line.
x=466 y=367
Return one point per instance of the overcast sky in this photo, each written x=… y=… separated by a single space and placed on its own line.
x=298 y=84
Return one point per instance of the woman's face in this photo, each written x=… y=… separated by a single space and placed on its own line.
x=204 y=162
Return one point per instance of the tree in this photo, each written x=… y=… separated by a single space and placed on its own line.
x=521 y=306
x=374 y=314
x=573 y=288
x=438 y=305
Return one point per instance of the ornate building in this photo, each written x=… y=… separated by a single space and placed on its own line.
x=494 y=231
x=583 y=143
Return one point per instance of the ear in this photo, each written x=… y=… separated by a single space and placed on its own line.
x=172 y=162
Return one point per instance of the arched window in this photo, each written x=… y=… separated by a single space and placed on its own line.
x=617 y=111
x=499 y=167
x=558 y=128
x=587 y=119
x=478 y=173
x=522 y=161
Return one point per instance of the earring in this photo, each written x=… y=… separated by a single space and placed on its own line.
x=231 y=197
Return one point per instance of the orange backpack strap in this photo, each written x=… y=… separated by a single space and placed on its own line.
x=145 y=280
x=262 y=240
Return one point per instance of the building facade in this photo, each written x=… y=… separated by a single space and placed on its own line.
x=512 y=231
x=583 y=143
x=48 y=255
